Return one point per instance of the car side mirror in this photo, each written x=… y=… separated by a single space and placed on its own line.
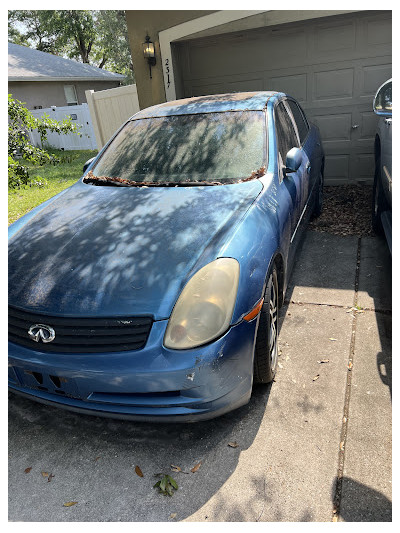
x=383 y=100
x=293 y=160
x=86 y=165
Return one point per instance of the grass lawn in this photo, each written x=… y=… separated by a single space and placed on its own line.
x=58 y=177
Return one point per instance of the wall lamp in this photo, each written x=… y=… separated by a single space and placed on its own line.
x=149 y=53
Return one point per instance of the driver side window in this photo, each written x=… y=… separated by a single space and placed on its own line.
x=285 y=132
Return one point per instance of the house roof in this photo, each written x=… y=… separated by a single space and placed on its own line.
x=217 y=103
x=27 y=64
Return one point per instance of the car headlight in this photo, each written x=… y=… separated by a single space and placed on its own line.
x=204 y=309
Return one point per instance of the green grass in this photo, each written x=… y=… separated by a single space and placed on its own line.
x=59 y=177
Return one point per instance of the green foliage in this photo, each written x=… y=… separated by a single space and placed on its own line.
x=166 y=485
x=20 y=149
x=99 y=38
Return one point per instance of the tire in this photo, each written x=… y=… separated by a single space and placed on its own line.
x=378 y=199
x=320 y=196
x=266 y=348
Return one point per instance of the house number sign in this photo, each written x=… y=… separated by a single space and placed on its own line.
x=167 y=73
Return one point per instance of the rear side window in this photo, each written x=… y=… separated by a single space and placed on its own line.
x=301 y=123
x=287 y=138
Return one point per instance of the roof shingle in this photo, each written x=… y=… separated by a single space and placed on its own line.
x=27 y=64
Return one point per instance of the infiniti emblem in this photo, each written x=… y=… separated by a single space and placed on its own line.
x=41 y=332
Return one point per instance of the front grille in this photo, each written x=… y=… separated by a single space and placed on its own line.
x=80 y=335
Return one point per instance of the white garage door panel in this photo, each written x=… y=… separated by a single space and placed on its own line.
x=334 y=127
x=337 y=168
x=333 y=84
x=241 y=86
x=333 y=38
x=371 y=77
x=333 y=66
x=378 y=32
x=367 y=126
x=294 y=84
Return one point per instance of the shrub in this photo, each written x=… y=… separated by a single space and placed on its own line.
x=20 y=121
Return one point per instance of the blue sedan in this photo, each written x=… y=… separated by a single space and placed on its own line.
x=150 y=289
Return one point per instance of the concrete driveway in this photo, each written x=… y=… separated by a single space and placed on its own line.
x=314 y=446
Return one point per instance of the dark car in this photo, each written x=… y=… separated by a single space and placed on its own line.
x=382 y=191
x=150 y=289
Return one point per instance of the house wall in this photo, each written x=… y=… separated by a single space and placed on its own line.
x=49 y=93
x=141 y=23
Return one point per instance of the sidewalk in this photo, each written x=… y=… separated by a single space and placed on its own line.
x=314 y=446
x=352 y=274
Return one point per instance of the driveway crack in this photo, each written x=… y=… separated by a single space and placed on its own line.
x=343 y=435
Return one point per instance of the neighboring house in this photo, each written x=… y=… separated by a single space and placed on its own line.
x=332 y=62
x=43 y=80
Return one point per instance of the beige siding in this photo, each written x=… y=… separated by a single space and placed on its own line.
x=110 y=109
x=50 y=93
x=151 y=91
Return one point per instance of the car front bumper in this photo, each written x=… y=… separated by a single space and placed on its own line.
x=151 y=384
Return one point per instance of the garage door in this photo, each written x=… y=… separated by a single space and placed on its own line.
x=332 y=66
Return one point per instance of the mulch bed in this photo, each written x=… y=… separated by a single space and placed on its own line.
x=346 y=211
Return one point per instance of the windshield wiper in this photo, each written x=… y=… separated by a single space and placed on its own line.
x=120 y=182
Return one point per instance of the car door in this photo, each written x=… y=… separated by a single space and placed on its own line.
x=383 y=108
x=386 y=154
x=295 y=184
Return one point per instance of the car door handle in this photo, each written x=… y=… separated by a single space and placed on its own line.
x=388 y=121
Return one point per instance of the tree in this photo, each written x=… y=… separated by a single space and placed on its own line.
x=99 y=38
x=19 y=147
x=113 y=44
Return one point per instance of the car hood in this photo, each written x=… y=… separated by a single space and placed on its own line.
x=119 y=251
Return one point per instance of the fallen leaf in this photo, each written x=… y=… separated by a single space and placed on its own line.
x=315 y=377
x=69 y=504
x=97 y=458
x=175 y=468
x=350 y=365
x=45 y=474
x=50 y=478
x=323 y=361
x=138 y=471
x=233 y=444
x=27 y=470
x=196 y=467
x=172 y=515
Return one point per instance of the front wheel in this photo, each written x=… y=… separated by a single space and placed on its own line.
x=266 y=349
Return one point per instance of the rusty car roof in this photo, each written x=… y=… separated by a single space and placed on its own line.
x=217 y=103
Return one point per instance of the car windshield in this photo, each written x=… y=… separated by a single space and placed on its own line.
x=212 y=148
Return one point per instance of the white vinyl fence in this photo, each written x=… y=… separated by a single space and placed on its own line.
x=80 y=115
x=110 y=108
